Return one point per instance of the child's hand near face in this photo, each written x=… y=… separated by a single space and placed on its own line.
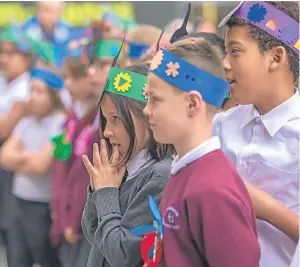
x=105 y=172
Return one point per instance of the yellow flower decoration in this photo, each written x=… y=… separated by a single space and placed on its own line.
x=172 y=69
x=146 y=91
x=156 y=61
x=122 y=82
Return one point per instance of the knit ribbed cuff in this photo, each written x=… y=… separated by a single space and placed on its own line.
x=106 y=200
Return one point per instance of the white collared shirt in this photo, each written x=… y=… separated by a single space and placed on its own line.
x=210 y=145
x=265 y=151
x=138 y=163
x=16 y=90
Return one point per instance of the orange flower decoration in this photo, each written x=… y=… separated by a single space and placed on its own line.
x=271 y=24
x=146 y=91
x=172 y=69
x=156 y=61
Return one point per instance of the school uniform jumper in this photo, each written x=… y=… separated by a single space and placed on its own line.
x=68 y=199
x=208 y=218
x=265 y=150
x=110 y=213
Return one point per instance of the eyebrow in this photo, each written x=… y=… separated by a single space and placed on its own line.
x=233 y=42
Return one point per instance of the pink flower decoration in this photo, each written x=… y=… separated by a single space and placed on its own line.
x=172 y=69
x=83 y=141
x=146 y=91
x=70 y=130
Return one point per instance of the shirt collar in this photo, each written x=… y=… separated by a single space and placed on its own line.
x=139 y=160
x=275 y=119
x=198 y=152
x=23 y=77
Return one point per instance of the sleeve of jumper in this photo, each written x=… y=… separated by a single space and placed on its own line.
x=89 y=220
x=221 y=224
x=113 y=236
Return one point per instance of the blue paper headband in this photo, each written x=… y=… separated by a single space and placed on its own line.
x=135 y=51
x=188 y=77
x=49 y=78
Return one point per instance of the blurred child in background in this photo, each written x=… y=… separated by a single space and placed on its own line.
x=138 y=42
x=70 y=182
x=16 y=56
x=28 y=153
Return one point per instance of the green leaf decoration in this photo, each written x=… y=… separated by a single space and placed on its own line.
x=63 y=149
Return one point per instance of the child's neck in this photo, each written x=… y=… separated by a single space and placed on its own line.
x=281 y=91
x=194 y=137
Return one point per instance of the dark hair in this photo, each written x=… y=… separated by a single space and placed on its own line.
x=266 y=41
x=212 y=38
x=125 y=107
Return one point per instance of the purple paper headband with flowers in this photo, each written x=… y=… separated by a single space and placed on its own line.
x=269 y=19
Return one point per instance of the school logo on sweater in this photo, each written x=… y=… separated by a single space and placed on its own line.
x=170 y=219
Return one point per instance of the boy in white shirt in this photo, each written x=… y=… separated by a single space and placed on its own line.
x=261 y=135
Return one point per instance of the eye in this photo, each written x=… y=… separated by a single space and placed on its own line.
x=116 y=118
x=234 y=51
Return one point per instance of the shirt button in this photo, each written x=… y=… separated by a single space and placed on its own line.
x=255 y=141
x=257 y=120
x=243 y=164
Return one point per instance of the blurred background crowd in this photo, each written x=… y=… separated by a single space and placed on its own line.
x=36 y=216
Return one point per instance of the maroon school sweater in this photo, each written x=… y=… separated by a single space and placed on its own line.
x=69 y=183
x=208 y=217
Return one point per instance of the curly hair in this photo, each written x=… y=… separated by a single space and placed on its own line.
x=266 y=41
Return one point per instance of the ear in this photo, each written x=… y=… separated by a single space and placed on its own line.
x=278 y=57
x=194 y=103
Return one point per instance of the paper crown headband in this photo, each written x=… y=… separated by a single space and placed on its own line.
x=269 y=19
x=24 y=43
x=51 y=79
x=126 y=83
x=188 y=77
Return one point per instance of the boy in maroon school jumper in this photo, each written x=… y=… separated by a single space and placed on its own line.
x=208 y=218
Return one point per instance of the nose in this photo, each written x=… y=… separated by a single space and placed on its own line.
x=146 y=110
x=108 y=133
x=226 y=63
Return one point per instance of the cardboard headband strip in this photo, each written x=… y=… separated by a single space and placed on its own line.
x=269 y=19
x=108 y=48
x=127 y=83
x=135 y=51
x=188 y=77
x=48 y=77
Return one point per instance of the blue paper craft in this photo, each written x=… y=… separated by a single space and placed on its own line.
x=188 y=77
x=135 y=51
x=257 y=13
x=157 y=227
x=49 y=78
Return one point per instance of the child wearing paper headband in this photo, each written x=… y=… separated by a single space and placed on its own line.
x=261 y=136
x=208 y=218
x=16 y=56
x=138 y=42
x=130 y=166
x=70 y=178
x=28 y=153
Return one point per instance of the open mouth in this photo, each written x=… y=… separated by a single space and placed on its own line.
x=230 y=81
